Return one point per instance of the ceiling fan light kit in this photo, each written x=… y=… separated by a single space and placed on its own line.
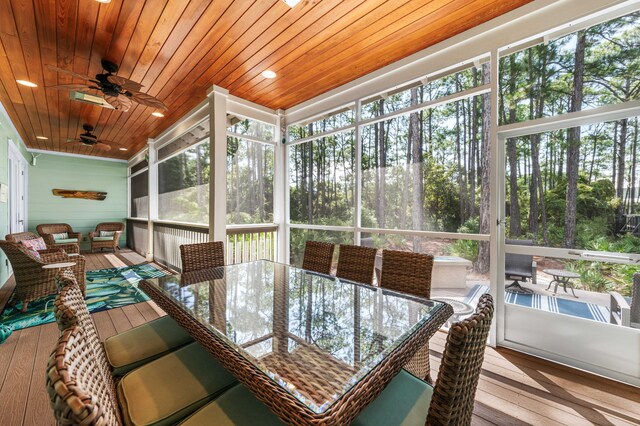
x=90 y=140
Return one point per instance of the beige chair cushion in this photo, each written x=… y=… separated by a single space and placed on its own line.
x=102 y=238
x=128 y=350
x=170 y=388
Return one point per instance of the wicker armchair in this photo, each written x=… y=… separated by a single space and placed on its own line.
x=356 y=263
x=406 y=400
x=110 y=242
x=318 y=257
x=199 y=256
x=22 y=236
x=34 y=282
x=410 y=273
x=47 y=230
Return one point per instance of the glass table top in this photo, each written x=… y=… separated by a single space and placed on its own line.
x=315 y=335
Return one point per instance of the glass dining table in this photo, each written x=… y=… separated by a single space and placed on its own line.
x=316 y=349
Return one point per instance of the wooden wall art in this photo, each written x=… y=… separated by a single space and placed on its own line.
x=73 y=193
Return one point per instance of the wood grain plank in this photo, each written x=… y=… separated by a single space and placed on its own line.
x=15 y=388
x=7 y=349
x=104 y=325
x=133 y=315
x=39 y=408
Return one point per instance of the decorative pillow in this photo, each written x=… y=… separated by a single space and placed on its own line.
x=33 y=253
x=61 y=236
x=34 y=244
x=107 y=233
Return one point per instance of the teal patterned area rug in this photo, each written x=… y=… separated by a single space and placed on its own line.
x=106 y=289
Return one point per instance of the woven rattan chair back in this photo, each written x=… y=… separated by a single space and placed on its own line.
x=110 y=226
x=407 y=272
x=455 y=390
x=410 y=273
x=78 y=391
x=70 y=309
x=20 y=236
x=196 y=257
x=53 y=228
x=318 y=257
x=356 y=263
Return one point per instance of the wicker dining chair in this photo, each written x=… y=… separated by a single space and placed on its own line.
x=24 y=236
x=32 y=280
x=410 y=273
x=99 y=241
x=406 y=400
x=47 y=231
x=318 y=257
x=356 y=263
x=196 y=257
x=162 y=391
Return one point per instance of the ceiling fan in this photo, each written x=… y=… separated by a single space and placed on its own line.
x=118 y=91
x=91 y=140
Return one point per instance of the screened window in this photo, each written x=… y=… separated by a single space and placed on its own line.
x=140 y=195
x=183 y=186
x=332 y=121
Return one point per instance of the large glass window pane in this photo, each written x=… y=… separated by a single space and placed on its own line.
x=322 y=180
x=140 y=195
x=576 y=188
x=249 y=181
x=421 y=171
x=299 y=237
x=183 y=186
x=540 y=81
x=419 y=93
x=335 y=120
x=248 y=127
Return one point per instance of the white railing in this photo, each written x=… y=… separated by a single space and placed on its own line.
x=251 y=242
x=244 y=242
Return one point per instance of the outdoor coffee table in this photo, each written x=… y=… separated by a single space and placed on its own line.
x=563 y=277
x=313 y=348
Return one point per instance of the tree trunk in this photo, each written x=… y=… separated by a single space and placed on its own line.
x=382 y=164
x=482 y=265
x=515 y=229
x=573 y=145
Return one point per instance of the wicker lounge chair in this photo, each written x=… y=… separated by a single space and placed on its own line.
x=318 y=257
x=356 y=263
x=161 y=392
x=410 y=273
x=106 y=235
x=51 y=234
x=32 y=280
x=406 y=400
x=199 y=256
x=22 y=236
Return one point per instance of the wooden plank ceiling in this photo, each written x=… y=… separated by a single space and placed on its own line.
x=178 y=49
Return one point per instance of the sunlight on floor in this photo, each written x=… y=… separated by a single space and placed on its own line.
x=114 y=260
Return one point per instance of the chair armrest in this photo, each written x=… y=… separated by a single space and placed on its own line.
x=620 y=310
x=93 y=234
x=58 y=257
x=58 y=249
x=77 y=235
x=70 y=248
x=116 y=235
x=48 y=239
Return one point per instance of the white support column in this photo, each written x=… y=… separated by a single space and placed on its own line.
x=152 y=213
x=496 y=199
x=281 y=188
x=358 y=187
x=218 y=163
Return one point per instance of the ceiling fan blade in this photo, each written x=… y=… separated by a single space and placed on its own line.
x=102 y=146
x=73 y=140
x=75 y=74
x=125 y=83
x=70 y=87
x=147 y=100
x=121 y=103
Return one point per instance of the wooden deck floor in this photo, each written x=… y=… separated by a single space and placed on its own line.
x=514 y=389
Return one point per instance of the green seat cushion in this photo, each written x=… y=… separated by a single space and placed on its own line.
x=404 y=402
x=170 y=388
x=237 y=406
x=66 y=240
x=102 y=238
x=139 y=345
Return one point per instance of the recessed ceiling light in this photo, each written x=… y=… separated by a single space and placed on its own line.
x=157 y=114
x=26 y=83
x=122 y=149
x=42 y=137
x=291 y=3
x=268 y=74
x=103 y=1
